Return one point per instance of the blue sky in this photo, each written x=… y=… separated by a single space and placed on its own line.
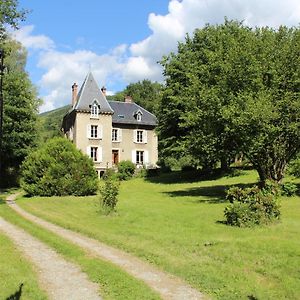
x=121 y=41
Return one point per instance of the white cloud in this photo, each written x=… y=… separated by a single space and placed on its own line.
x=24 y=35
x=130 y=63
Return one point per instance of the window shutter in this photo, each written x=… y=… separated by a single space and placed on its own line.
x=99 y=158
x=146 y=158
x=88 y=131
x=119 y=135
x=88 y=151
x=135 y=136
x=100 y=131
x=145 y=137
x=133 y=153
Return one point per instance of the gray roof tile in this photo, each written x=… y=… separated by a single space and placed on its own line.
x=125 y=113
x=89 y=92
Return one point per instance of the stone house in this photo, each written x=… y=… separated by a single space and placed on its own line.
x=110 y=131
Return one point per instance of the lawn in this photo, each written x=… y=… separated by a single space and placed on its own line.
x=174 y=223
x=15 y=270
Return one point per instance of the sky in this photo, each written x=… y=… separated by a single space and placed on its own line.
x=122 y=41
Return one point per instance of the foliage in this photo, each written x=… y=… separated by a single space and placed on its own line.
x=289 y=189
x=20 y=110
x=58 y=168
x=294 y=167
x=144 y=93
x=109 y=195
x=51 y=122
x=10 y=15
x=126 y=169
x=251 y=206
x=232 y=89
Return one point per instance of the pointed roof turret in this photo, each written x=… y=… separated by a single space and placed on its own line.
x=90 y=93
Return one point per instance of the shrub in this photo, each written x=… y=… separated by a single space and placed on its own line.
x=294 y=167
x=57 y=169
x=108 y=195
x=126 y=169
x=289 y=189
x=251 y=206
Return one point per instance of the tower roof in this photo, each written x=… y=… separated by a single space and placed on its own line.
x=90 y=93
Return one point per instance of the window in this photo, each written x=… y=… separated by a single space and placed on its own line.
x=94 y=111
x=94 y=153
x=116 y=135
x=139 y=136
x=139 y=117
x=94 y=131
x=139 y=157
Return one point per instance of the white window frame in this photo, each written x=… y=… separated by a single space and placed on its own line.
x=116 y=137
x=96 y=155
x=140 y=138
x=94 y=131
x=139 y=117
x=94 y=111
x=140 y=157
x=90 y=131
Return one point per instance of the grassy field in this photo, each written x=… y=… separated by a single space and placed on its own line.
x=113 y=282
x=175 y=223
x=15 y=269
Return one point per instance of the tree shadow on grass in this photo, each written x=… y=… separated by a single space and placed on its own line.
x=208 y=194
x=190 y=176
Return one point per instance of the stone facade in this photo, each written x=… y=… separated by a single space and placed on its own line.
x=110 y=131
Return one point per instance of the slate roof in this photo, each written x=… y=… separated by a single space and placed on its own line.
x=89 y=92
x=125 y=113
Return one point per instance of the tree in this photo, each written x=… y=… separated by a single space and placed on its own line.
x=145 y=93
x=58 y=168
x=10 y=15
x=20 y=127
x=219 y=84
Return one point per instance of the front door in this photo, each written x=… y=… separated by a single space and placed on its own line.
x=115 y=157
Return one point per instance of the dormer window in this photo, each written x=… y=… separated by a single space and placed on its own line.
x=138 y=115
x=95 y=110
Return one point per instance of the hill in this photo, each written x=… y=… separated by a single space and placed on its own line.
x=51 y=122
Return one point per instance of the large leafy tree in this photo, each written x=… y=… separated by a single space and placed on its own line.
x=20 y=127
x=10 y=15
x=145 y=93
x=228 y=89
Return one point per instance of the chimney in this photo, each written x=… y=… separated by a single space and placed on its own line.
x=128 y=99
x=74 y=93
x=103 y=90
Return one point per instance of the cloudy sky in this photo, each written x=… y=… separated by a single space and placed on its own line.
x=122 y=41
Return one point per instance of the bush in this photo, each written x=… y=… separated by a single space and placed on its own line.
x=289 y=189
x=126 y=169
x=251 y=206
x=108 y=195
x=294 y=167
x=58 y=169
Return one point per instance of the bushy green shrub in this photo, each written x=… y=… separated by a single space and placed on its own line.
x=57 y=169
x=294 y=167
x=126 y=169
x=289 y=189
x=251 y=206
x=109 y=195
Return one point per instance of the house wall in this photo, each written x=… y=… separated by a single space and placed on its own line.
x=84 y=142
x=127 y=145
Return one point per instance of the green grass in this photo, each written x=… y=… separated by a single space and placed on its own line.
x=113 y=282
x=15 y=269
x=174 y=223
